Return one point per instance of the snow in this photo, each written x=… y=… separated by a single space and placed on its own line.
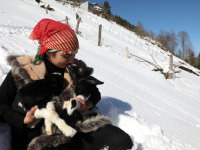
x=158 y=114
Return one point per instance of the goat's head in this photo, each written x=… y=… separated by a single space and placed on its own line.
x=78 y=72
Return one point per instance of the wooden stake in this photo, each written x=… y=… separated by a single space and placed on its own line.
x=46 y=10
x=127 y=53
x=170 y=76
x=66 y=21
x=77 y=25
x=99 y=41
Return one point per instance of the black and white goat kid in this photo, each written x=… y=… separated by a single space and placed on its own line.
x=83 y=86
x=40 y=92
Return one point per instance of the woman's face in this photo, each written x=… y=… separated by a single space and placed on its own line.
x=60 y=59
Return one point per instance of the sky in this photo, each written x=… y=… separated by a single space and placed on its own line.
x=156 y=15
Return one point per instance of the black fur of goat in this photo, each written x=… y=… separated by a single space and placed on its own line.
x=83 y=84
x=38 y=92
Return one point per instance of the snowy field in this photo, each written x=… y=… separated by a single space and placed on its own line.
x=158 y=114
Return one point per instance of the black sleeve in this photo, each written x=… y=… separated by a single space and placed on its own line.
x=95 y=96
x=8 y=91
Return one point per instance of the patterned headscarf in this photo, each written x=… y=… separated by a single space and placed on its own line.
x=53 y=35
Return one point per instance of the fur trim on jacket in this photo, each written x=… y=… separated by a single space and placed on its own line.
x=24 y=72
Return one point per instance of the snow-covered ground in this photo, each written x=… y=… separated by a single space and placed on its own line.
x=158 y=114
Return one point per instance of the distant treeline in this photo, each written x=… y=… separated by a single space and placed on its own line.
x=179 y=45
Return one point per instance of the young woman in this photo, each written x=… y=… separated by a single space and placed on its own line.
x=58 y=47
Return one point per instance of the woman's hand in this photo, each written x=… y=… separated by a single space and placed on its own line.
x=30 y=117
x=84 y=107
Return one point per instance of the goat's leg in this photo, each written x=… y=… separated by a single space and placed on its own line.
x=54 y=118
x=48 y=124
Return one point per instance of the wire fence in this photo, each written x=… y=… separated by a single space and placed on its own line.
x=112 y=46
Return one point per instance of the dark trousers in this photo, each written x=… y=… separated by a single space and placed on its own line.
x=22 y=137
x=109 y=137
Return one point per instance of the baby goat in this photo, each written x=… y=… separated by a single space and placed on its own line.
x=83 y=83
x=40 y=92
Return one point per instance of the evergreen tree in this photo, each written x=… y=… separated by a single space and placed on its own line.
x=198 y=61
x=106 y=9
x=191 y=58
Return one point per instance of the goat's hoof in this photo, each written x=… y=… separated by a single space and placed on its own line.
x=71 y=133
x=48 y=132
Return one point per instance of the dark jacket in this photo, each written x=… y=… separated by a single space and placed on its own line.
x=8 y=91
x=23 y=71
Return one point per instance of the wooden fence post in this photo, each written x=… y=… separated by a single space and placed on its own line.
x=170 y=75
x=66 y=21
x=46 y=7
x=63 y=2
x=99 y=41
x=77 y=25
x=127 y=53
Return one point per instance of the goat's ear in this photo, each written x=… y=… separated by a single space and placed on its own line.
x=90 y=70
x=93 y=80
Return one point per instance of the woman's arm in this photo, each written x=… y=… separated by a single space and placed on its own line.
x=8 y=91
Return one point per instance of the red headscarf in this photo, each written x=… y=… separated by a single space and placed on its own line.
x=54 y=35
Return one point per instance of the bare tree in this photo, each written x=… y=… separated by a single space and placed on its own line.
x=139 y=29
x=179 y=54
x=163 y=37
x=152 y=34
x=173 y=42
x=184 y=40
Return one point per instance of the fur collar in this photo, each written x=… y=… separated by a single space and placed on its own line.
x=24 y=71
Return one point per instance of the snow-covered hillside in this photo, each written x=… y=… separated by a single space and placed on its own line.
x=158 y=114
